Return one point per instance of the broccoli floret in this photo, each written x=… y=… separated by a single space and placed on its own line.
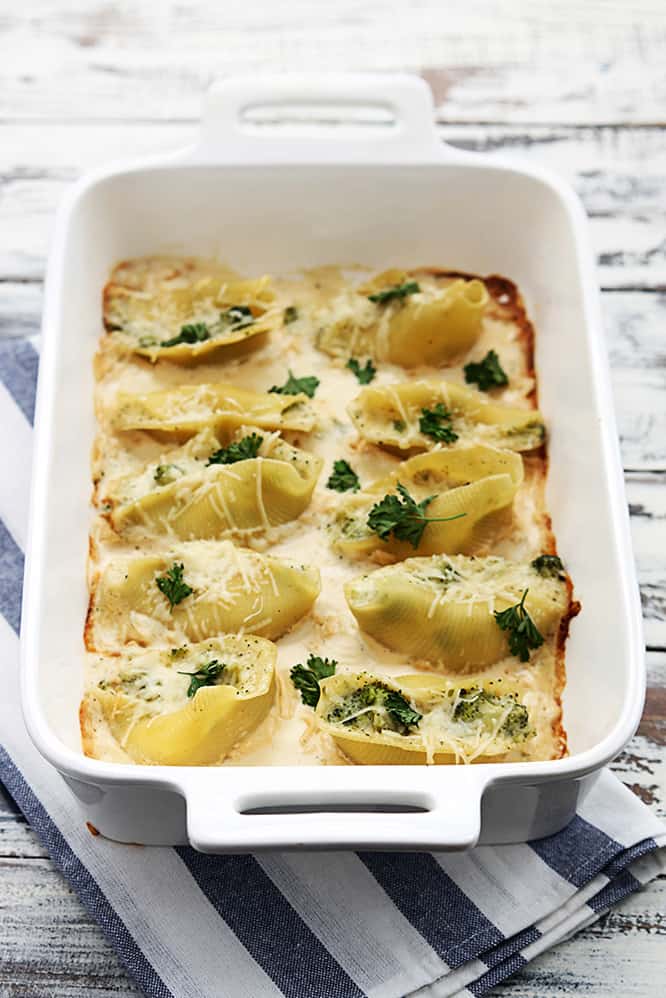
x=479 y=705
x=550 y=566
x=397 y=715
x=517 y=724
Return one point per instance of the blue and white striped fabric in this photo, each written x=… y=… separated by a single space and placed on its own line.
x=308 y=925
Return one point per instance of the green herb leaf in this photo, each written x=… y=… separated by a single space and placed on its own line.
x=397 y=291
x=240 y=450
x=403 y=517
x=195 y=332
x=343 y=478
x=550 y=566
x=487 y=374
x=401 y=709
x=236 y=317
x=207 y=675
x=306 y=677
x=522 y=632
x=436 y=423
x=166 y=473
x=173 y=586
x=399 y=425
x=297 y=386
x=290 y=315
x=364 y=374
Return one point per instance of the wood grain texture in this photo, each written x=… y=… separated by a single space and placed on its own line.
x=580 y=89
x=49 y=945
x=489 y=60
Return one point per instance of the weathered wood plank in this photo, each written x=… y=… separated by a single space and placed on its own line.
x=621 y=955
x=646 y=496
x=488 y=61
x=48 y=944
x=619 y=175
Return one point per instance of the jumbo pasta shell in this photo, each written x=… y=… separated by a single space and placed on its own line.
x=474 y=481
x=442 y=610
x=183 y=411
x=438 y=738
x=198 y=731
x=213 y=501
x=146 y=320
x=233 y=590
x=390 y=416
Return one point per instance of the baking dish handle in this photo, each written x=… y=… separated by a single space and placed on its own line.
x=379 y=808
x=361 y=118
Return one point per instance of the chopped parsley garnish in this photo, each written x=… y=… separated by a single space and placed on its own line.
x=364 y=374
x=207 y=675
x=238 y=317
x=403 y=517
x=297 y=386
x=399 y=708
x=436 y=423
x=487 y=374
x=195 y=332
x=172 y=585
x=290 y=315
x=399 y=425
x=522 y=632
x=240 y=450
x=550 y=566
x=343 y=478
x=395 y=292
x=306 y=677
x=167 y=473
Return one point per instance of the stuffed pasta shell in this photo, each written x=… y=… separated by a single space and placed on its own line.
x=183 y=411
x=404 y=321
x=417 y=415
x=444 y=609
x=194 y=591
x=417 y=719
x=185 y=706
x=204 y=490
x=187 y=316
x=444 y=499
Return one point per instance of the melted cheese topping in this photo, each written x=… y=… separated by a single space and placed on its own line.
x=290 y=735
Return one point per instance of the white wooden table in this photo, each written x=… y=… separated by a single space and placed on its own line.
x=578 y=87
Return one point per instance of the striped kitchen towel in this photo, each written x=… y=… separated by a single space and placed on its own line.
x=304 y=925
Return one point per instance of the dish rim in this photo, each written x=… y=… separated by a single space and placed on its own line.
x=187 y=780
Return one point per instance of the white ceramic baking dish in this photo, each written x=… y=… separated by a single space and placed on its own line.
x=383 y=191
